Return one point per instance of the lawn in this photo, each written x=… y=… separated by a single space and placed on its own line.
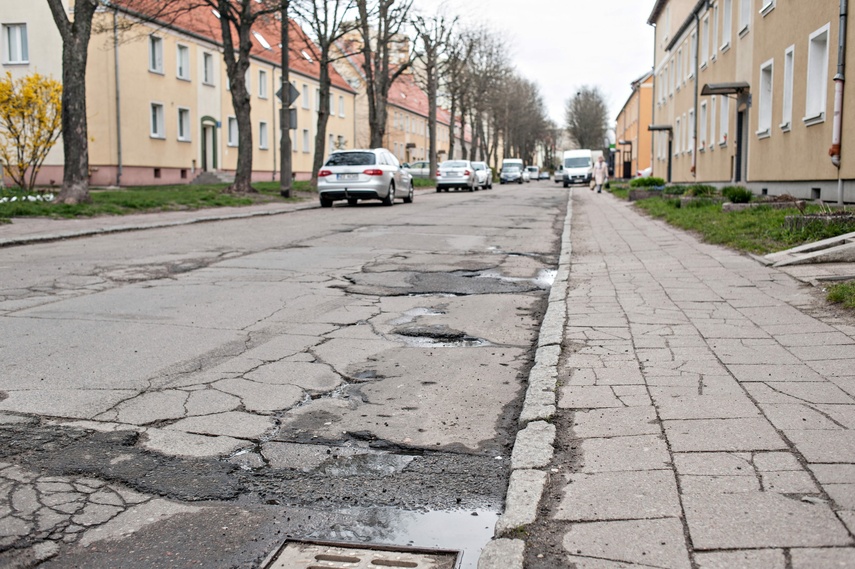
x=843 y=294
x=144 y=199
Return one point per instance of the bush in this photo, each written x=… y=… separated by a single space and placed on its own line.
x=646 y=182
x=700 y=191
x=737 y=194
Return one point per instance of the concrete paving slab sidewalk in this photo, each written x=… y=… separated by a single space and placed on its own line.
x=703 y=404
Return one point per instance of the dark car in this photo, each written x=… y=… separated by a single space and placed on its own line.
x=511 y=174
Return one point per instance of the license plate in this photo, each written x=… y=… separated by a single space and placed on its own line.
x=347 y=177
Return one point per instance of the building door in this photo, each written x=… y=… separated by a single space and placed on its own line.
x=209 y=144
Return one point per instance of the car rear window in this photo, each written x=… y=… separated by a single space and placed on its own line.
x=351 y=159
x=453 y=164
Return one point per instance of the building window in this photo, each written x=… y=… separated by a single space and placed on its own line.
x=331 y=144
x=726 y=24
x=744 y=15
x=702 y=127
x=155 y=54
x=764 y=114
x=679 y=74
x=678 y=130
x=705 y=41
x=724 y=119
x=15 y=43
x=305 y=96
x=232 y=132
x=690 y=131
x=184 y=124
x=714 y=37
x=157 y=128
x=712 y=123
x=691 y=69
x=341 y=106
x=787 y=115
x=262 y=84
x=262 y=135
x=183 y=62
x=817 y=76
x=306 y=140
x=207 y=69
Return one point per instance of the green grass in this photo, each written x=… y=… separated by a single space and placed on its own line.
x=757 y=230
x=145 y=199
x=423 y=183
x=842 y=293
x=620 y=192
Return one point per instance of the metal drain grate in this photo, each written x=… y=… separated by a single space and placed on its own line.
x=328 y=555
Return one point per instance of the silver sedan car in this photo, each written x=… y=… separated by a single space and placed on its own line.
x=456 y=174
x=355 y=175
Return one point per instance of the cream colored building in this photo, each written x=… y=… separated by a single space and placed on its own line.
x=159 y=109
x=744 y=93
x=631 y=128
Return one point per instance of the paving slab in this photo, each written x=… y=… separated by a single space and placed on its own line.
x=619 y=495
x=644 y=543
x=722 y=435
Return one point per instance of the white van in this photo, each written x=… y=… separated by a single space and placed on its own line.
x=533 y=172
x=578 y=166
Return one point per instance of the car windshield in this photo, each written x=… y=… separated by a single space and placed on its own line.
x=511 y=169
x=580 y=162
x=478 y=166
x=453 y=164
x=351 y=159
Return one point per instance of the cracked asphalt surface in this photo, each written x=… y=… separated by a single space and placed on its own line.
x=191 y=396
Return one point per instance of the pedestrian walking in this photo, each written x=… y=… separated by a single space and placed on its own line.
x=601 y=174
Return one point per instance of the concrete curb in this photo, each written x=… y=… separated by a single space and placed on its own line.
x=534 y=445
x=59 y=236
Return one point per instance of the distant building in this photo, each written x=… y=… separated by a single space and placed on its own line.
x=159 y=109
x=745 y=94
x=631 y=128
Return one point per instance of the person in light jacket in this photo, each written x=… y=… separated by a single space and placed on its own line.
x=601 y=174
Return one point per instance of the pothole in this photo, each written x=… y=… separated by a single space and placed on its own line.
x=437 y=336
x=544 y=279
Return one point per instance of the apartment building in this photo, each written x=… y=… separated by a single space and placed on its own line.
x=158 y=101
x=744 y=92
x=632 y=139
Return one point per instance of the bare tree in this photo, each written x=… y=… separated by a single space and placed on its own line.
x=457 y=87
x=326 y=19
x=381 y=24
x=285 y=178
x=433 y=34
x=586 y=118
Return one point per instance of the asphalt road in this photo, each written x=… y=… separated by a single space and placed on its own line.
x=192 y=396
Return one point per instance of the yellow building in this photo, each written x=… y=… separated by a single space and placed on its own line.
x=631 y=135
x=745 y=93
x=159 y=109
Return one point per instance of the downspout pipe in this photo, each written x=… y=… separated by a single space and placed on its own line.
x=119 y=165
x=839 y=81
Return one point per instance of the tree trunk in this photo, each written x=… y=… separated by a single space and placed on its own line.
x=285 y=180
x=243 y=115
x=75 y=130
x=432 y=89
x=452 y=127
x=323 y=116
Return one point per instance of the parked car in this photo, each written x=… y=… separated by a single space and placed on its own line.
x=485 y=175
x=456 y=174
x=558 y=176
x=418 y=169
x=544 y=175
x=526 y=176
x=510 y=174
x=645 y=173
x=533 y=172
x=367 y=174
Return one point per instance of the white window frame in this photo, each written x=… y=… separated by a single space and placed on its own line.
x=787 y=107
x=726 y=25
x=341 y=106
x=765 y=96
x=232 y=134
x=184 y=124
x=306 y=140
x=155 y=54
x=157 y=124
x=678 y=131
x=768 y=6
x=705 y=41
x=693 y=59
x=714 y=38
x=702 y=121
x=690 y=131
x=744 y=16
x=207 y=68
x=724 y=120
x=712 y=141
x=182 y=64
x=816 y=91
x=263 y=135
x=306 y=101
x=679 y=70
x=330 y=143
x=16 y=44
x=262 y=83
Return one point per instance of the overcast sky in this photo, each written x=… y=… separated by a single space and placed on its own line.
x=564 y=44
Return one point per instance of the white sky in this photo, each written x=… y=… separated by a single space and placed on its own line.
x=564 y=44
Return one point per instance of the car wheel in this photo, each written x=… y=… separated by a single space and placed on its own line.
x=409 y=198
x=390 y=197
x=566 y=184
x=352 y=201
x=326 y=202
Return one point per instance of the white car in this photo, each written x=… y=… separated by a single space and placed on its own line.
x=526 y=175
x=369 y=174
x=485 y=175
x=456 y=174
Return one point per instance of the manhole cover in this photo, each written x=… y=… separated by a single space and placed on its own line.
x=324 y=555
